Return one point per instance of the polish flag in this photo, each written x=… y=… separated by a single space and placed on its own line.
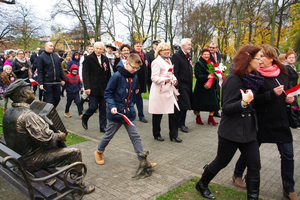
x=126 y=119
x=118 y=41
x=33 y=82
x=293 y=91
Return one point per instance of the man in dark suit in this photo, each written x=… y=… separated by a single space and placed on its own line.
x=96 y=74
x=215 y=58
x=142 y=75
x=34 y=56
x=184 y=73
x=150 y=57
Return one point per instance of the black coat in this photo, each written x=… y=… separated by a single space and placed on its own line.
x=95 y=77
x=213 y=60
x=33 y=57
x=150 y=57
x=273 y=124
x=142 y=75
x=183 y=71
x=46 y=72
x=17 y=66
x=205 y=99
x=293 y=75
x=237 y=124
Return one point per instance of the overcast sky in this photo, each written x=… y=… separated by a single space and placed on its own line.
x=42 y=9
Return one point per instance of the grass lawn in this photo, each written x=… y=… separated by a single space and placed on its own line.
x=187 y=191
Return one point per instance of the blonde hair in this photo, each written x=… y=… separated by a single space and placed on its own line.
x=20 y=50
x=269 y=52
x=134 y=58
x=160 y=47
x=281 y=57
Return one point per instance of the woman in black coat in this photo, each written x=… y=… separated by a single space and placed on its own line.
x=273 y=124
x=292 y=70
x=21 y=65
x=205 y=99
x=238 y=127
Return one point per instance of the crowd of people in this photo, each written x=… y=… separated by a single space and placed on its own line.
x=112 y=80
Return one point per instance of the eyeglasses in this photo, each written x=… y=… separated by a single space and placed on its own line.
x=212 y=47
x=134 y=68
x=259 y=59
x=165 y=50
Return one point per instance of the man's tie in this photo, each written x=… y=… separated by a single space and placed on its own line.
x=215 y=57
x=99 y=60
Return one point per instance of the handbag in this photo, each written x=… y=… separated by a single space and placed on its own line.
x=293 y=114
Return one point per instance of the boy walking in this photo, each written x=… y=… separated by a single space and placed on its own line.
x=73 y=86
x=119 y=95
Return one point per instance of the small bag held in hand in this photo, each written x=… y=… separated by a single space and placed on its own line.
x=293 y=115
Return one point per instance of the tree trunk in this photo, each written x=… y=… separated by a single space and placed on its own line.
x=275 y=5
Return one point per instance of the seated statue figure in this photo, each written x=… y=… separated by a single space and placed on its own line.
x=29 y=135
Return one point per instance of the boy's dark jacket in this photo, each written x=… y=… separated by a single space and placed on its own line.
x=73 y=61
x=73 y=84
x=116 y=94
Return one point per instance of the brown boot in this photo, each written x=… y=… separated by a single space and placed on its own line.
x=99 y=157
x=291 y=195
x=238 y=182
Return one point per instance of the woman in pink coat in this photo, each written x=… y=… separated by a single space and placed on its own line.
x=163 y=95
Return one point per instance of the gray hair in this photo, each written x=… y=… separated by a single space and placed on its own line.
x=99 y=43
x=213 y=43
x=184 y=41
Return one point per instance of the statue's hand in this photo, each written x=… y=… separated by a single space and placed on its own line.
x=62 y=136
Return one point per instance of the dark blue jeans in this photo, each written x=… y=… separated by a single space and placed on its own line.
x=286 y=152
x=139 y=104
x=52 y=94
x=97 y=102
x=70 y=98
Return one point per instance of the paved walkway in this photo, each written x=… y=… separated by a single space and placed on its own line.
x=177 y=162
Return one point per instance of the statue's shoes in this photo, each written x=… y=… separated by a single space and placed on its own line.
x=88 y=189
x=153 y=165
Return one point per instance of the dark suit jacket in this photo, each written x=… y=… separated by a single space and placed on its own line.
x=150 y=58
x=32 y=58
x=218 y=58
x=94 y=76
x=142 y=75
x=183 y=71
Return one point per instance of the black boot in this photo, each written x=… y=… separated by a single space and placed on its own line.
x=202 y=185
x=252 y=188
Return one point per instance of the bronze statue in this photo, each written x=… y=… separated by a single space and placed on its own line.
x=30 y=136
x=145 y=169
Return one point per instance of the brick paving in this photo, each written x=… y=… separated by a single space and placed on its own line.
x=177 y=162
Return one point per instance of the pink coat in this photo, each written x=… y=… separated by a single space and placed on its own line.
x=7 y=62
x=162 y=95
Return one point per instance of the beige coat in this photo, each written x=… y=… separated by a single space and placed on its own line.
x=162 y=95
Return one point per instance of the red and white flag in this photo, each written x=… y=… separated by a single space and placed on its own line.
x=126 y=119
x=118 y=41
x=293 y=91
x=33 y=82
